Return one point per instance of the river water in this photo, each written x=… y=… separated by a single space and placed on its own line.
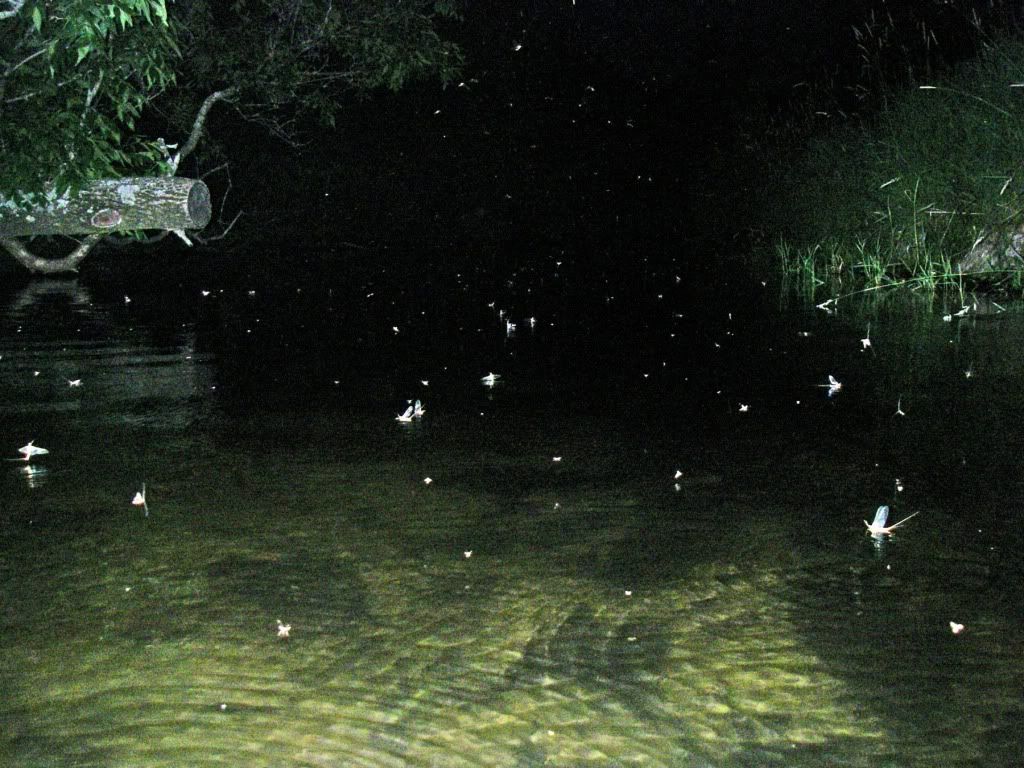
x=642 y=546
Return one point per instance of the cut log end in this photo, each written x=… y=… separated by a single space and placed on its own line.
x=200 y=210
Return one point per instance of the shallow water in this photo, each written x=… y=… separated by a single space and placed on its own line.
x=518 y=610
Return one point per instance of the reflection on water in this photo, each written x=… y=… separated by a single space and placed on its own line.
x=690 y=585
x=33 y=474
x=64 y=353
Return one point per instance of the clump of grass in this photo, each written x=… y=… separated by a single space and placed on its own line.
x=811 y=267
x=902 y=198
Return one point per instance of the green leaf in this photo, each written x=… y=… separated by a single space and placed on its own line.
x=37 y=18
x=83 y=51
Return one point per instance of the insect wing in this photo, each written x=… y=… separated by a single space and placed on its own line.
x=881 y=517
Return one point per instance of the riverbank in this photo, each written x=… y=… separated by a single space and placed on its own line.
x=926 y=193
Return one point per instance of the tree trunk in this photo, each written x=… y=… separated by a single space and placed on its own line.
x=114 y=205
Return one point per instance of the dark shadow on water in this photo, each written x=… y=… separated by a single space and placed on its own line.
x=278 y=584
x=584 y=648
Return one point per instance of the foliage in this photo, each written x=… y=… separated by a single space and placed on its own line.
x=808 y=167
x=908 y=193
x=75 y=76
x=86 y=87
x=289 y=59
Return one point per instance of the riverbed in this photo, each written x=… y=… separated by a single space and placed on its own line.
x=641 y=543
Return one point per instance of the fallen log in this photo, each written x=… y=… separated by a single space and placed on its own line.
x=113 y=205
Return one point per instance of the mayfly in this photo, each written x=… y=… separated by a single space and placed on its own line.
x=30 y=450
x=833 y=385
x=140 y=500
x=878 y=527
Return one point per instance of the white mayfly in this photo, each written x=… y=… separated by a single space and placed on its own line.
x=30 y=450
x=833 y=385
x=139 y=500
x=878 y=527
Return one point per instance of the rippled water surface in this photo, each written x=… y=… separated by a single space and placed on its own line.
x=643 y=546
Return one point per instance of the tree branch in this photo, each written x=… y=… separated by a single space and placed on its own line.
x=9 y=70
x=197 y=127
x=124 y=242
x=220 y=235
x=14 y=6
x=39 y=265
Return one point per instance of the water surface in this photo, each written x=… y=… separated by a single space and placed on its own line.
x=643 y=546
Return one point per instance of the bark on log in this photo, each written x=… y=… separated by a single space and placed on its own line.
x=114 y=205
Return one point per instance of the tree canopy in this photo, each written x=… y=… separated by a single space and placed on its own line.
x=75 y=77
x=91 y=90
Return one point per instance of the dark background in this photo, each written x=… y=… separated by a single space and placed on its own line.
x=619 y=137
